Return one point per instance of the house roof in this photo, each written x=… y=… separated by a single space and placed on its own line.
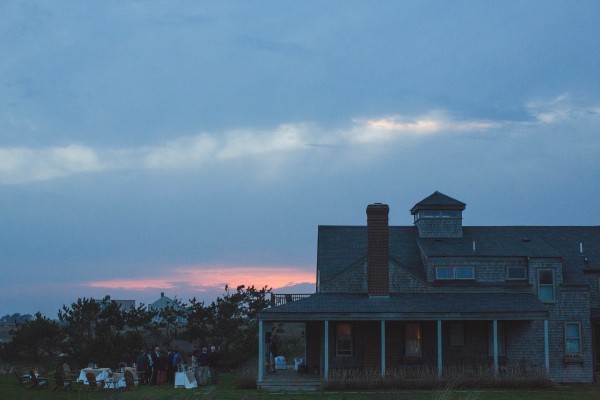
x=525 y=241
x=407 y=306
x=341 y=247
x=438 y=201
x=162 y=302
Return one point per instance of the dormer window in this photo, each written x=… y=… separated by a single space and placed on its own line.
x=454 y=273
x=438 y=214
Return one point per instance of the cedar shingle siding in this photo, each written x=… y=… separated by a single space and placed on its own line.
x=462 y=277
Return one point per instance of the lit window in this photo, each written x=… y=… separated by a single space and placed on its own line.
x=546 y=284
x=516 y=273
x=343 y=340
x=572 y=338
x=455 y=273
x=501 y=339
x=457 y=334
x=412 y=339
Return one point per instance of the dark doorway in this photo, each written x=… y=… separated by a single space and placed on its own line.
x=596 y=335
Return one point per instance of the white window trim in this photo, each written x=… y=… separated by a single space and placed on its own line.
x=547 y=285
x=454 y=277
x=578 y=338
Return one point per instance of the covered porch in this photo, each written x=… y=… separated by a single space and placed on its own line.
x=354 y=332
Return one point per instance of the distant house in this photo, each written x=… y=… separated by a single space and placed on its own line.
x=125 y=305
x=441 y=294
x=164 y=302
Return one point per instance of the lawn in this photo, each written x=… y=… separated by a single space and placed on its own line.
x=11 y=390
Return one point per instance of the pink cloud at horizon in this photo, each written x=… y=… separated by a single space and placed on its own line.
x=214 y=277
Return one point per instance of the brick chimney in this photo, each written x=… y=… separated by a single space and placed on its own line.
x=377 y=250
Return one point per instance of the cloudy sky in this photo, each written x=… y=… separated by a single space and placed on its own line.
x=174 y=146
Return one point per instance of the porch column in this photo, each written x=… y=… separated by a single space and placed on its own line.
x=546 y=348
x=439 y=346
x=495 y=330
x=383 y=349
x=326 y=350
x=261 y=350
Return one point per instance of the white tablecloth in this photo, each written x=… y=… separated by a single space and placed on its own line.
x=101 y=374
x=117 y=379
x=185 y=379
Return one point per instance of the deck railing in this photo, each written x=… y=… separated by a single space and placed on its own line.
x=279 y=299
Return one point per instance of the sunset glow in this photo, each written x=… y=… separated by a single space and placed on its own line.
x=201 y=278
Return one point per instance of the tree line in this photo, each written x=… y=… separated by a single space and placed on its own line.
x=100 y=331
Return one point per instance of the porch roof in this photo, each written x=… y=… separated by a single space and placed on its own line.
x=410 y=306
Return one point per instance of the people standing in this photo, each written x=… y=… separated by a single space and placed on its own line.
x=141 y=365
x=154 y=364
x=170 y=371
x=177 y=361
x=213 y=364
x=203 y=367
x=161 y=377
x=195 y=366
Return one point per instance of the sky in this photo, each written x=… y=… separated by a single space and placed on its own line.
x=178 y=146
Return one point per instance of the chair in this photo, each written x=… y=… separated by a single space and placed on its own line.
x=129 y=380
x=93 y=384
x=37 y=382
x=67 y=372
x=280 y=362
x=61 y=383
x=22 y=379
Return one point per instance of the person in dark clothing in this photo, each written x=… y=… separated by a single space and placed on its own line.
x=213 y=364
x=203 y=367
x=170 y=371
x=177 y=361
x=161 y=377
x=141 y=365
x=273 y=349
x=154 y=355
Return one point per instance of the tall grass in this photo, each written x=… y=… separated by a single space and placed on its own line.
x=245 y=377
x=426 y=377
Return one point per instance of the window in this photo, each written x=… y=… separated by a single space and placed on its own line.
x=455 y=273
x=501 y=339
x=343 y=340
x=444 y=273
x=457 y=334
x=437 y=214
x=412 y=339
x=572 y=338
x=516 y=273
x=546 y=285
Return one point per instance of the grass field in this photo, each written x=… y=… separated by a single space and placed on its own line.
x=11 y=390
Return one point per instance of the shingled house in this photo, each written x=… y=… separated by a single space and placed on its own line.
x=439 y=294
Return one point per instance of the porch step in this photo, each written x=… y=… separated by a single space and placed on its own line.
x=291 y=386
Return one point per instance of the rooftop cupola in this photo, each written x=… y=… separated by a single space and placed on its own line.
x=438 y=215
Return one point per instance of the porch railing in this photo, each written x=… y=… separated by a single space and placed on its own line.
x=279 y=299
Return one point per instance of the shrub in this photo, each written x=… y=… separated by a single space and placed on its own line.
x=246 y=375
x=426 y=377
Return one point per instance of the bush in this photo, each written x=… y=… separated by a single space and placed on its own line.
x=424 y=377
x=246 y=375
